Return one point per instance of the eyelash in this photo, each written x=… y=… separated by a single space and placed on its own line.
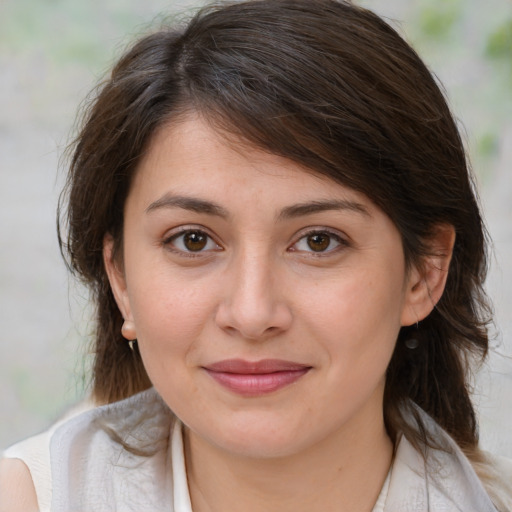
x=170 y=242
x=342 y=242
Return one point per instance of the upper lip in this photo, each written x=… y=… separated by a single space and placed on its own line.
x=240 y=366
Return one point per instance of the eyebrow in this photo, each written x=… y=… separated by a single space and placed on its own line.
x=312 y=207
x=197 y=205
x=193 y=204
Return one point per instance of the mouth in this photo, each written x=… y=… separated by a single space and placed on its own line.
x=255 y=378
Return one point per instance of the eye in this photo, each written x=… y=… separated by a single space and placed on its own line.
x=192 y=241
x=319 y=242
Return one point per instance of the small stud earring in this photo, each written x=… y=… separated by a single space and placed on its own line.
x=128 y=330
x=412 y=343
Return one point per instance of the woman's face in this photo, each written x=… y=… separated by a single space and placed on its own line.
x=266 y=300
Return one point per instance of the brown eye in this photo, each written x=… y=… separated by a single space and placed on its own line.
x=318 y=242
x=192 y=241
x=195 y=240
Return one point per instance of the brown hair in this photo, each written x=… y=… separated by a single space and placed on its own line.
x=328 y=85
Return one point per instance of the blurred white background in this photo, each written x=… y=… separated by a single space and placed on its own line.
x=52 y=52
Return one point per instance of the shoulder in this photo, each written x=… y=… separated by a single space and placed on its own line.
x=471 y=479
x=25 y=467
x=17 y=491
x=114 y=457
x=496 y=474
x=83 y=458
x=27 y=464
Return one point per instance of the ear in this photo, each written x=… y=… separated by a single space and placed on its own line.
x=117 y=281
x=426 y=281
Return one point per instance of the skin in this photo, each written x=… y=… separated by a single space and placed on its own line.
x=17 y=492
x=260 y=289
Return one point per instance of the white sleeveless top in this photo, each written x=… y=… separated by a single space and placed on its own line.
x=128 y=456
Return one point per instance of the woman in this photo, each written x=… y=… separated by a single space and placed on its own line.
x=273 y=210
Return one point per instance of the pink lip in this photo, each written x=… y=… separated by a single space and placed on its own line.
x=253 y=378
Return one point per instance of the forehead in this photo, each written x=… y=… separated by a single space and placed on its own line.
x=191 y=157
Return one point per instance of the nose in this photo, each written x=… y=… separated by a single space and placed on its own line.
x=253 y=304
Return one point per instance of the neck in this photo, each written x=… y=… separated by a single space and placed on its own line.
x=343 y=473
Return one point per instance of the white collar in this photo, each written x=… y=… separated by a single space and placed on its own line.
x=181 y=496
x=92 y=469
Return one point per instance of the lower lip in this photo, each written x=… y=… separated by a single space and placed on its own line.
x=257 y=384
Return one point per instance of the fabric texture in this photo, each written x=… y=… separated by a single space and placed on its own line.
x=128 y=456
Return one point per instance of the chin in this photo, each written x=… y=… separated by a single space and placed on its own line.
x=259 y=448
x=256 y=438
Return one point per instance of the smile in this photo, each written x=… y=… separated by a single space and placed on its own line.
x=248 y=378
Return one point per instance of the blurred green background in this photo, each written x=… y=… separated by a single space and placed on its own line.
x=52 y=52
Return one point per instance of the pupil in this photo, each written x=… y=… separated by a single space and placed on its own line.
x=195 y=241
x=318 y=242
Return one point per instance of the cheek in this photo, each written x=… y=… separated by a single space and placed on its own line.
x=356 y=303
x=357 y=319
x=169 y=314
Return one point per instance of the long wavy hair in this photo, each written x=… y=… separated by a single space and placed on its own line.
x=333 y=87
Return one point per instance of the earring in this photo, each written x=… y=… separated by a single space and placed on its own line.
x=412 y=343
x=128 y=330
x=132 y=344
